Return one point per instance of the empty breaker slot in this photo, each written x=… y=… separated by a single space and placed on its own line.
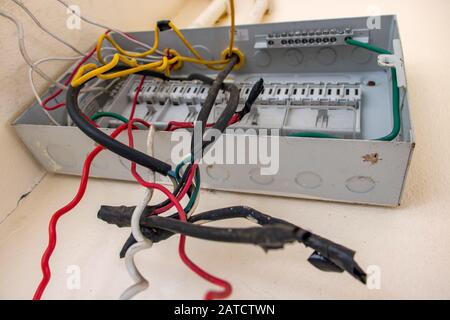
x=328 y=108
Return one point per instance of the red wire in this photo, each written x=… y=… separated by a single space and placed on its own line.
x=46 y=273
x=175 y=125
x=66 y=83
x=135 y=99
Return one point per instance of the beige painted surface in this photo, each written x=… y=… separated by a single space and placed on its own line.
x=409 y=244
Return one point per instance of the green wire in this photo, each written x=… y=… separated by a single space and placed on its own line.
x=395 y=97
x=395 y=90
x=313 y=135
x=116 y=116
x=197 y=183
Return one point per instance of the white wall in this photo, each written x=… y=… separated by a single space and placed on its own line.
x=18 y=171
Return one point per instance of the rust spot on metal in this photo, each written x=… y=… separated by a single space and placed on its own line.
x=373 y=158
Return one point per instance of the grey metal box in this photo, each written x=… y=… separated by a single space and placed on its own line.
x=358 y=170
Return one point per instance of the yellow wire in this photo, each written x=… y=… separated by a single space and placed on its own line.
x=81 y=78
x=125 y=52
x=159 y=66
x=233 y=26
x=200 y=59
x=91 y=70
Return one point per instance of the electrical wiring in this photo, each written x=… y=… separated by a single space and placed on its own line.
x=43 y=28
x=162 y=26
x=189 y=209
x=36 y=94
x=142 y=242
x=137 y=156
x=46 y=273
x=59 y=91
x=149 y=52
x=67 y=82
x=182 y=216
x=164 y=64
x=40 y=61
x=33 y=85
x=147 y=226
x=80 y=78
x=195 y=197
x=232 y=104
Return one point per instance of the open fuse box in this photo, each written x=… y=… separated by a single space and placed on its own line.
x=338 y=96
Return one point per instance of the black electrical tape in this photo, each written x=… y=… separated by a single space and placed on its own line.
x=163 y=25
x=257 y=89
x=273 y=234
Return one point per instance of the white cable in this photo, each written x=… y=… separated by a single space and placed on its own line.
x=43 y=28
x=123 y=34
x=23 y=50
x=142 y=242
x=31 y=70
x=33 y=86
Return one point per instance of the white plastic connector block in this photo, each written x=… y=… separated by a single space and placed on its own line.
x=395 y=61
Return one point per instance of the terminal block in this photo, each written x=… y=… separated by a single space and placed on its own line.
x=310 y=38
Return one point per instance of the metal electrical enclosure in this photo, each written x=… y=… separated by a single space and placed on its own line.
x=314 y=82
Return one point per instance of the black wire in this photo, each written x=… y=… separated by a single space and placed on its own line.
x=197 y=144
x=103 y=139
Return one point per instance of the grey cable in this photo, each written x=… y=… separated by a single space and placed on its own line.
x=23 y=50
x=43 y=28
